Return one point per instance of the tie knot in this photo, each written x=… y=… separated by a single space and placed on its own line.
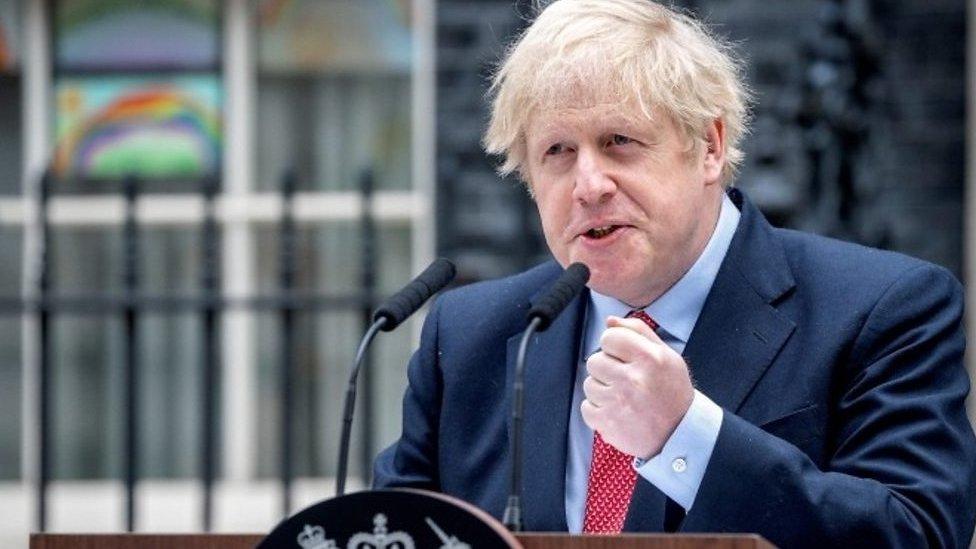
x=645 y=317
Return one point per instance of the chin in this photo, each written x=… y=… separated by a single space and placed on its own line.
x=604 y=282
x=609 y=275
x=615 y=283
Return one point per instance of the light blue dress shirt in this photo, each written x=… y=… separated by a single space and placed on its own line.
x=678 y=469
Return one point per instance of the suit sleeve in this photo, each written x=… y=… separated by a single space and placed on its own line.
x=411 y=460
x=901 y=452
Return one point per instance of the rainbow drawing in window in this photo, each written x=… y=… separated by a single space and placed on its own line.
x=114 y=127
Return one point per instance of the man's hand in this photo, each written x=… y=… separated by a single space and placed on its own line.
x=637 y=389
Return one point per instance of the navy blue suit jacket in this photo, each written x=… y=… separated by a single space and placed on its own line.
x=839 y=367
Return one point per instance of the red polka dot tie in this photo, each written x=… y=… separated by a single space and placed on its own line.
x=612 y=478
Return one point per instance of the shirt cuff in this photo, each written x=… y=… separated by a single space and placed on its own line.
x=680 y=466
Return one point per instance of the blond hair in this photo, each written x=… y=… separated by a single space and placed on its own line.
x=633 y=52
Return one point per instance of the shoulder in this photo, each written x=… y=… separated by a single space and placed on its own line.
x=862 y=274
x=821 y=255
x=820 y=265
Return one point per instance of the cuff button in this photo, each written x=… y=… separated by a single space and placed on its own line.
x=679 y=465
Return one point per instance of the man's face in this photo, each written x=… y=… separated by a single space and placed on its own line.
x=626 y=196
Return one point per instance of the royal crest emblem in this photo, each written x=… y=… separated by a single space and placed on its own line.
x=380 y=538
x=313 y=537
x=447 y=542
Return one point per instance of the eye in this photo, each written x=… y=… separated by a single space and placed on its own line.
x=555 y=149
x=619 y=140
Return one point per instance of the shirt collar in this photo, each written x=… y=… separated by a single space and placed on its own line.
x=677 y=310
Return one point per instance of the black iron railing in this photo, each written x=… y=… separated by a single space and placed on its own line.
x=133 y=304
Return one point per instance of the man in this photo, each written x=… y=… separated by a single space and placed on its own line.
x=718 y=374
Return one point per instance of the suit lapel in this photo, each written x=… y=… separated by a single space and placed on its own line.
x=739 y=331
x=550 y=371
x=737 y=336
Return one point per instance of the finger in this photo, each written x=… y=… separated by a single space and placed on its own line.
x=594 y=381
x=591 y=414
x=626 y=345
x=634 y=324
x=596 y=392
x=605 y=368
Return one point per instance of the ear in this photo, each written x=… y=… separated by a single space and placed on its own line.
x=714 y=160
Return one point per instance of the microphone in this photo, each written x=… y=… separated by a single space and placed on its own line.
x=388 y=316
x=540 y=316
x=405 y=302
x=567 y=286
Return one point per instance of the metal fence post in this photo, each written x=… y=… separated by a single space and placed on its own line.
x=368 y=266
x=287 y=256
x=210 y=276
x=45 y=402
x=131 y=364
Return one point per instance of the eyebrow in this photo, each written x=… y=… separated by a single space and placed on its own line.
x=610 y=124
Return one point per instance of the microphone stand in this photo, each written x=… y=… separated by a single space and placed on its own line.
x=396 y=309
x=543 y=312
x=512 y=519
x=350 y=404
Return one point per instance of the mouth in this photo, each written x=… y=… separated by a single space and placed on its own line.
x=599 y=233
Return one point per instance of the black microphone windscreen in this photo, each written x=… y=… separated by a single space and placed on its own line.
x=567 y=286
x=406 y=302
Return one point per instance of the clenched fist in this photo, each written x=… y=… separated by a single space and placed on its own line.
x=637 y=389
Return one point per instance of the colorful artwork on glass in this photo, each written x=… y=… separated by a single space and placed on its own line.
x=121 y=34
x=113 y=127
x=334 y=35
x=9 y=37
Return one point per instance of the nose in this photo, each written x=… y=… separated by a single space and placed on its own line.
x=593 y=185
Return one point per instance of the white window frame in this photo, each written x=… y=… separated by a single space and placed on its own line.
x=239 y=211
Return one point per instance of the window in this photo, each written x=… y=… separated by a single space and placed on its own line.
x=11 y=143
x=173 y=95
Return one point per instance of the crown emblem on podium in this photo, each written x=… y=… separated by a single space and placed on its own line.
x=448 y=541
x=381 y=538
x=313 y=537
